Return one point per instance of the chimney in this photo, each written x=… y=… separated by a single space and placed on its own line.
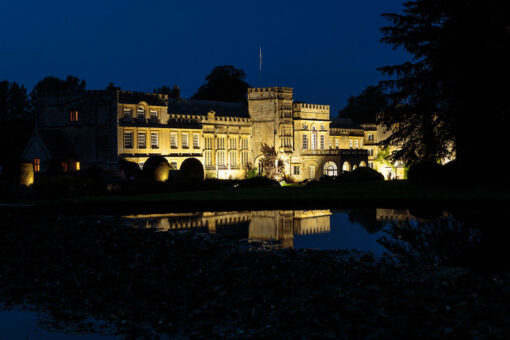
x=175 y=93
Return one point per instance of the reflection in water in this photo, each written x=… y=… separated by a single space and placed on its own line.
x=267 y=225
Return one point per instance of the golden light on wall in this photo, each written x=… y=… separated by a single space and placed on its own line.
x=26 y=174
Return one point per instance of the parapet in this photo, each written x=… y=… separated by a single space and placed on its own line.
x=278 y=89
x=311 y=107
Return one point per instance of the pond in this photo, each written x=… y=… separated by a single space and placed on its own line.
x=440 y=237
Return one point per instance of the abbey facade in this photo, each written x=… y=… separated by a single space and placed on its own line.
x=97 y=128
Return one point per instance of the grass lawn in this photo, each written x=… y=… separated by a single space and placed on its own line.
x=375 y=194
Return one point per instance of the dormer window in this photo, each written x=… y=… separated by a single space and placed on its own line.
x=140 y=112
x=73 y=115
x=154 y=114
x=127 y=113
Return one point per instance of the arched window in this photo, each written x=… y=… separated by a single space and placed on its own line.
x=330 y=169
x=140 y=112
x=346 y=166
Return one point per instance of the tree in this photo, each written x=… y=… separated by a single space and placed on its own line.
x=55 y=86
x=272 y=166
x=14 y=103
x=224 y=83
x=171 y=92
x=451 y=97
x=365 y=107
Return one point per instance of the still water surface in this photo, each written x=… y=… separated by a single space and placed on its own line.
x=321 y=229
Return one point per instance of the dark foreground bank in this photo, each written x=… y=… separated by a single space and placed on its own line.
x=145 y=283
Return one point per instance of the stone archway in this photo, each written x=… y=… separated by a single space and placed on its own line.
x=346 y=167
x=330 y=169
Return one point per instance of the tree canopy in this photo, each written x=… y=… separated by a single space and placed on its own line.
x=452 y=95
x=365 y=107
x=14 y=102
x=224 y=83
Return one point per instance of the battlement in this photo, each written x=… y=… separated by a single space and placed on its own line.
x=276 y=89
x=311 y=107
x=133 y=97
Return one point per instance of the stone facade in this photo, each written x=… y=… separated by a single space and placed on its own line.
x=99 y=127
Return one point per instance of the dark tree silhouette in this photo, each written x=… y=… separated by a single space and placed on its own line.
x=365 y=107
x=14 y=102
x=224 y=83
x=55 y=86
x=454 y=90
x=173 y=92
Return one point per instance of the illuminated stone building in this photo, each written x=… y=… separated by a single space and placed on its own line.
x=100 y=127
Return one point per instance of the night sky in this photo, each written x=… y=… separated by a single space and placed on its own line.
x=326 y=50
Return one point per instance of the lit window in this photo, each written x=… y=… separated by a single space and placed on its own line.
x=185 y=143
x=173 y=140
x=128 y=140
x=196 y=141
x=208 y=158
x=296 y=169
x=356 y=143
x=73 y=115
x=154 y=140
x=350 y=143
x=221 y=143
x=37 y=165
x=140 y=112
x=370 y=137
x=305 y=142
x=77 y=166
x=64 y=166
x=141 y=140
x=337 y=143
x=221 y=158
x=233 y=158
x=244 y=158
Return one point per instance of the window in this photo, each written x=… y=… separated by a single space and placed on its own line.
x=233 y=144
x=154 y=114
x=128 y=140
x=173 y=140
x=184 y=140
x=370 y=152
x=322 y=127
x=64 y=166
x=77 y=166
x=173 y=164
x=208 y=158
x=356 y=143
x=128 y=113
x=154 y=140
x=371 y=137
x=196 y=141
x=350 y=143
x=221 y=143
x=233 y=158
x=140 y=165
x=305 y=127
x=305 y=142
x=140 y=112
x=314 y=141
x=296 y=169
x=337 y=143
x=208 y=143
x=37 y=164
x=141 y=140
x=311 y=171
x=73 y=115
x=221 y=158
x=244 y=158
x=244 y=143
x=371 y=165
x=322 y=142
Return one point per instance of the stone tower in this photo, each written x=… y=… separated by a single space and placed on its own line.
x=271 y=115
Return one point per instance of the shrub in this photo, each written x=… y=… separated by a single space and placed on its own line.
x=64 y=185
x=366 y=174
x=156 y=168
x=258 y=182
x=130 y=169
x=424 y=173
x=191 y=170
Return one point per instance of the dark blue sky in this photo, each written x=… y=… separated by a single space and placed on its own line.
x=326 y=50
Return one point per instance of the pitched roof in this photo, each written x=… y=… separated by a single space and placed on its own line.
x=128 y=97
x=202 y=107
